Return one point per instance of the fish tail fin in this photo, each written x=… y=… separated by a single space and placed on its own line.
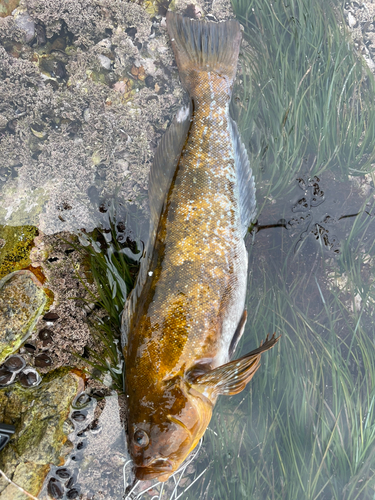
x=204 y=47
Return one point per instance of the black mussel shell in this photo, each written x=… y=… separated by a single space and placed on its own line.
x=51 y=316
x=63 y=473
x=29 y=377
x=6 y=377
x=30 y=348
x=55 y=488
x=78 y=416
x=45 y=336
x=82 y=401
x=15 y=363
x=42 y=361
x=73 y=493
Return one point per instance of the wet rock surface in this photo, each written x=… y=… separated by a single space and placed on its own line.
x=63 y=331
x=84 y=124
x=22 y=300
x=38 y=415
x=359 y=18
x=94 y=466
x=96 y=86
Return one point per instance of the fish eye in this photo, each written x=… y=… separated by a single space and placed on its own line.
x=141 y=438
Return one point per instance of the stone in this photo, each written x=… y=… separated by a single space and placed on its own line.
x=352 y=21
x=104 y=61
x=39 y=440
x=27 y=25
x=22 y=301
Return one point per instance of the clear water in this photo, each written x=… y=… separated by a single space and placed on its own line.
x=304 y=428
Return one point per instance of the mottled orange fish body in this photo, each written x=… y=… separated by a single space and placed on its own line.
x=187 y=312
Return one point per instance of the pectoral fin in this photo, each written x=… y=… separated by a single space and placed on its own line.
x=232 y=377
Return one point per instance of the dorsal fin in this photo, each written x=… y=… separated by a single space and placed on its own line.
x=161 y=174
x=245 y=179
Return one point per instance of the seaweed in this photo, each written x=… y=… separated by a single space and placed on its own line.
x=112 y=265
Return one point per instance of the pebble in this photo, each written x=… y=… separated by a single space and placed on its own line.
x=25 y=23
x=105 y=61
x=352 y=21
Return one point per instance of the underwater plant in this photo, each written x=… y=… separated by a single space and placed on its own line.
x=112 y=265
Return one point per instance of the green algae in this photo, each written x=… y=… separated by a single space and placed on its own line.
x=17 y=243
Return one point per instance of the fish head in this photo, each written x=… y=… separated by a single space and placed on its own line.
x=166 y=424
x=165 y=429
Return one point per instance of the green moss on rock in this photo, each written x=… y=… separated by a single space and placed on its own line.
x=17 y=243
x=22 y=301
x=38 y=415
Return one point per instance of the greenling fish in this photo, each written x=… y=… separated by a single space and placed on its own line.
x=183 y=320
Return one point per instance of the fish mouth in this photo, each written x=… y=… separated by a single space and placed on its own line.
x=161 y=470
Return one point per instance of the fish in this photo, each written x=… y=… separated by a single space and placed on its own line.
x=183 y=320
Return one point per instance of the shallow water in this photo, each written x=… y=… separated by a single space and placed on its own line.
x=305 y=425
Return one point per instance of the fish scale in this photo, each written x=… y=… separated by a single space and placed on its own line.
x=196 y=248
x=186 y=314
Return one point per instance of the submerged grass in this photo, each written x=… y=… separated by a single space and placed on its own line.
x=113 y=267
x=306 y=426
x=307 y=103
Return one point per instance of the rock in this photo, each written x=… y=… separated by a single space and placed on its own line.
x=26 y=23
x=22 y=300
x=352 y=21
x=38 y=415
x=104 y=448
x=105 y=61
